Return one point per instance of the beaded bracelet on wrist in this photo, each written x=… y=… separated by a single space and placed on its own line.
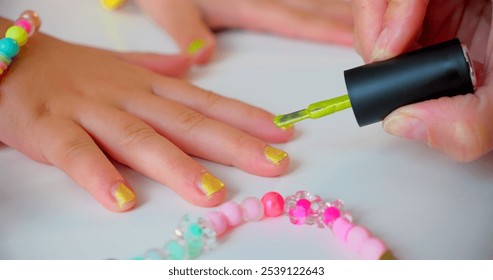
x=16 y=36
x=196 y=235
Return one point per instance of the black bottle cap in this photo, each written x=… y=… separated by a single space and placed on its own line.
x=377 y=89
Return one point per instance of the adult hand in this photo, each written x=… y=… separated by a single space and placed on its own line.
x=459 y=126
x=191 y=22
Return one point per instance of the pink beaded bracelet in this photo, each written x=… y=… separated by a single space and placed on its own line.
x=16 y=36
x=195 y=235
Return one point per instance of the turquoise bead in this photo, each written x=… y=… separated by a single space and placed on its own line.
x=9 y=47
x=195 y=230
x=194 y=247
x=174 y=250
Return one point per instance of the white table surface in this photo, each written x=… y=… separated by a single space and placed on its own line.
x=421 y=203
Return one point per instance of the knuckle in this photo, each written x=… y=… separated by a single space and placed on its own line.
x=73 y=149
x=469 y=142
x=136 y=133
x=189 y=119
x=211 y=98
x=241 y=142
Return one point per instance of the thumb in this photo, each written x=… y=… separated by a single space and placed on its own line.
x=459 y=126
x=168 y=65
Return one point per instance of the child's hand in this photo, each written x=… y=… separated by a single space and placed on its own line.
x=74 y=107
x=190 y=22
x=460 y=126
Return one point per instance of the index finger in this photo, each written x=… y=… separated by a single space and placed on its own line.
x=384 y=29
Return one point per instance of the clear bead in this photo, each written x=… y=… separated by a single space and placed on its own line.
x=154 y=254
x=299 y=214
x=197 y=234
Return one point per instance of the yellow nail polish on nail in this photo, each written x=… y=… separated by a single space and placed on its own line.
x=210 y=184
x=123 y=195
x=274 y=155
x=195 y=46
x=112 y=4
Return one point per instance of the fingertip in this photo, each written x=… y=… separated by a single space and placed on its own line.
x=269 y=162
x=206 y=190
x=213 y=199
x=119 y=197
x=200 y=50
x=124 y=198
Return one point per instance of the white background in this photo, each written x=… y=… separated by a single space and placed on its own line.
x=422 y=204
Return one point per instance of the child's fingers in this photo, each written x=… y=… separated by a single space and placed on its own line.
x=384 y=29
x=459 y=126
x=168 y=65
x=67 y=146
x=247 y=118
x=206 y=138
x=134 y=143
x=183 y=22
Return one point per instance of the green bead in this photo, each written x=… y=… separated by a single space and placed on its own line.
x=195 y=230
x=194 y=247
x=175 y=250
x=18 y=34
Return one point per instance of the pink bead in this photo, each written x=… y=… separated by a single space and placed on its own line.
x=356 y=236
x=341 y=228
x=25 y=24
x=298 y=215
x=253 y=209
x=273 y=204
x=305 y=203
x=3 y=66
x=33 y=17
x=233 y=213
x=218 y=221
x=373 y=249
x=330 y=215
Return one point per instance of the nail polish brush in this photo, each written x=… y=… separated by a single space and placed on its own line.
x=377 y=89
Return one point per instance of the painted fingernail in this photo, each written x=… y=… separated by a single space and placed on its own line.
x=287 y=127
x=123 y=195
x=209 y=184
x=407 y=127
x=273 y=155
x=380 y=51
x=195 y=46
x=112 y=4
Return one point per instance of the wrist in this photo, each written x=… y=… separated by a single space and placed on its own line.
x=5 y=24
x=16 y=36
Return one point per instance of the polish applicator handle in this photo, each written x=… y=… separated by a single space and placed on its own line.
x=377 y=89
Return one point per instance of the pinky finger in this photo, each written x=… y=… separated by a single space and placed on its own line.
x=67 y=146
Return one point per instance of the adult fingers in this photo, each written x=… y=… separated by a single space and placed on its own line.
x=183 y=22
x=459 y=126
x=67 y=146
x=132 y=142
x=384 y=29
